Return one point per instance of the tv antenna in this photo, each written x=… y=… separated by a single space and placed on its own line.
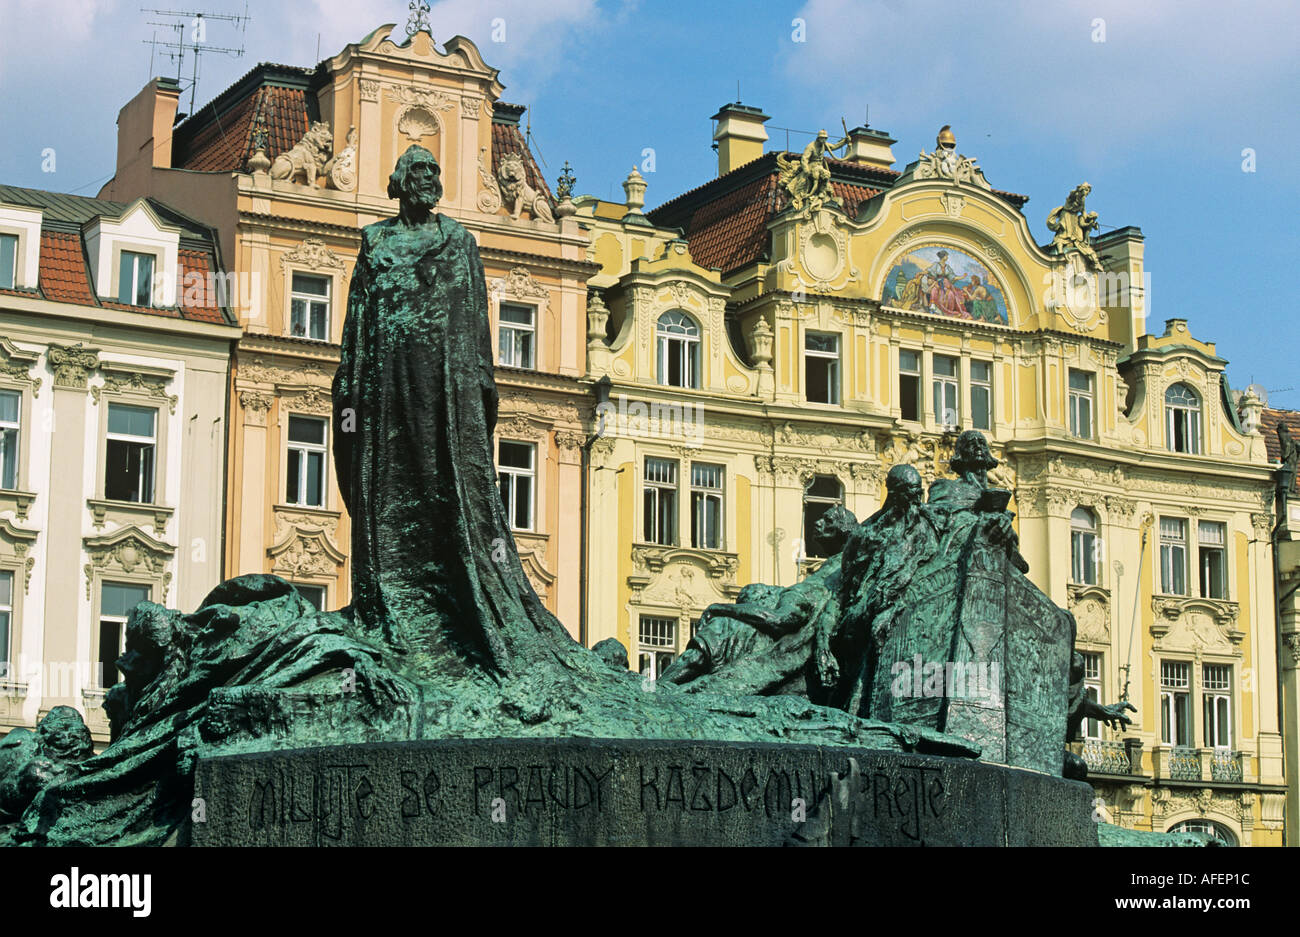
x=190 y=34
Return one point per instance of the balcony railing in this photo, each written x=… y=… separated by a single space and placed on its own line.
x=1184 y=764
x=1225 y=766
x=1104 y=757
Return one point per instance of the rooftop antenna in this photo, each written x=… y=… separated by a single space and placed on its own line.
x=191 y=34
x=529 y=140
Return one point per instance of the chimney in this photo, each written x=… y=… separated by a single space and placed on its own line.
x=739 y=136
x=869 y=147
x=144 y=137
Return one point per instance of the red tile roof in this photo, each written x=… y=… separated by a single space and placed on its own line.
x=1268 y=423
x=224 y=144
x=195 y=293
x=63 y=274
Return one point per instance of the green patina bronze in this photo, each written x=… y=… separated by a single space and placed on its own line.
x=445 y=638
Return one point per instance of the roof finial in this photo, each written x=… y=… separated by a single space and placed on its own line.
x=419 y=19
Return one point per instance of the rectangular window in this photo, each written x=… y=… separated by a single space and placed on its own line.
x=517 y=476
x=130 y=452
x=1081 y=395
x=305 y=483
x=1175 y=703
x=821 y=367
x=8 y=260
x=1216 y=701
x=10 y=412
x=135 y=279
x=981 y=394
x=657 y=645
x=6 y=621
x=515 y=336
x=313 y=594
x=1173 y=556
x=706 y=506
x=1092 y=687
x=946 y=411
x=309 y=307
x=660 y=501
x=909 y=384
x=116 y=599
x=1212 y=545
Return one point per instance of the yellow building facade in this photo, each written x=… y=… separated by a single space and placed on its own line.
x=289 y=164
x=775 y=339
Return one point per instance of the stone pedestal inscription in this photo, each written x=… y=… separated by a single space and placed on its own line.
x=623 y=792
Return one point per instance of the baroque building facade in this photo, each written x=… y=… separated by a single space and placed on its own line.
x=774 y=340
x=288 y=164
x=114 y=352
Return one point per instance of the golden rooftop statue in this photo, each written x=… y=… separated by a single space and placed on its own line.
x=807 y=180
x=1072 y=225
x=946 y=163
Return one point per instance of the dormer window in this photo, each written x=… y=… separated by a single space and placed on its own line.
x=309 y=307
x=1182 y=420
x=135 y=279
x=8 y=261
x=20 y=247
x=133 y=257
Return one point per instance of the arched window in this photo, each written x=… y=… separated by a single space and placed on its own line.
x=678 y=350
x=1083 y=547
x=1182 y=419
x=1209 y=828
x=822 y=494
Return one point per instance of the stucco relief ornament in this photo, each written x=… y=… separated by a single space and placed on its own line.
x=1072 y=226
x=489 y=197
x=946 y=163
x=807 y=180
x=341 y=170
x=416 y=118
x=312 y=253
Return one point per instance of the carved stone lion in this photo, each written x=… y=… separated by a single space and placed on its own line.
x=307 y=157
x=517 y=193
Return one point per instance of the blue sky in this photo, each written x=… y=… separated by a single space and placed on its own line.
x=1155 y=117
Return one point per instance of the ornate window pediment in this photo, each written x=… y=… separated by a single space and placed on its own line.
x=16 y=364
x=1190 y=623
x=131 y=551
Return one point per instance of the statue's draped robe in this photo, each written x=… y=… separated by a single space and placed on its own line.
x=434 y=562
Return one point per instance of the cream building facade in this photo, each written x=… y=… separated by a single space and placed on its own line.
x=775 y=339
x=289 y=164
x=114 y=355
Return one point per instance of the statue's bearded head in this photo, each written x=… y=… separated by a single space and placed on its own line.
x=971 y=453
x=415 y=179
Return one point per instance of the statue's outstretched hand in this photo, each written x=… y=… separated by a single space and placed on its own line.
x=1113 y=715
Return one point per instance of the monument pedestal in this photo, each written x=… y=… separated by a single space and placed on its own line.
x=579 y=792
